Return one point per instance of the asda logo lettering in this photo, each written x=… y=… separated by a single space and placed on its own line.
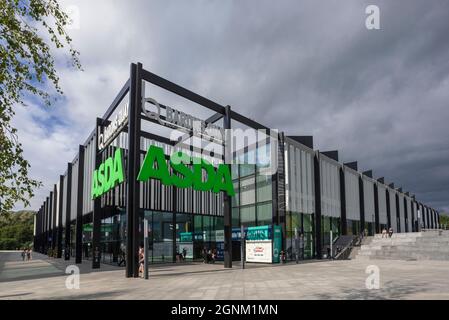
x=155 y=167
x=108 y=175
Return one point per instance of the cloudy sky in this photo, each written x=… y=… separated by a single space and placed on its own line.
x=380 y=97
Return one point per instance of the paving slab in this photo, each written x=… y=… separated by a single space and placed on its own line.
x=45 y=278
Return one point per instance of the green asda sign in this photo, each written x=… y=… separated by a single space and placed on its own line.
x=108 y=175
x=155 y=167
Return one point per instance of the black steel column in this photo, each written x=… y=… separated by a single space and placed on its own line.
x=376 y=209
x=67 y=240
x=362 y=206
x=50 y=220
x=54 y=242
x=387 y=195
x=227 y=199
x=96 y=214
x=44 y=226
x=398 y=213
x=344 y=225
x=316 y=165
x=79 y=207
x=405 y=215
x=132 y=202
x=61 y=194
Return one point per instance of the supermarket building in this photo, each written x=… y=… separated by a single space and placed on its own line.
x=167 y=155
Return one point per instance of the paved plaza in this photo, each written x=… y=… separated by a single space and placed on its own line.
x=45 y=278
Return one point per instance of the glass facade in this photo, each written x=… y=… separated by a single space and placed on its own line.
x=252 y=203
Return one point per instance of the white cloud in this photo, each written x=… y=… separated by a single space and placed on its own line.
x=380 y=97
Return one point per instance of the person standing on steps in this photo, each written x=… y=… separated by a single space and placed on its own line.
x=390 y=232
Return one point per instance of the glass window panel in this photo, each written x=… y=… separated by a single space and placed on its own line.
x=246 y=170
x=264 y=188
x=247 y=191
x=235 y=217
x=264 y=214
x=236 y=197
x=248 y=216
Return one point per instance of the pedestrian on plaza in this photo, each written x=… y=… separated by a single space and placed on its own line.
x=122 y=255
x=209 y=256
x=214 y=255
x=28 y=254
x=204 y=255
x=384 y=233
x=390 y=232
x=23 y=254
x=184 y=253
x=30 y=251
x=141 y=259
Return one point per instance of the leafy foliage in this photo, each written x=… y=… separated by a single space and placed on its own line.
x=26 y=65
x=16 y=230
x=444 y=220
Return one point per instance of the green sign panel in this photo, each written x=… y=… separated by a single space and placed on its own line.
x=108 y=175
x=277 y=243
x=155 y=167
x=258 y=233
x=186 y=236
x=88 y=227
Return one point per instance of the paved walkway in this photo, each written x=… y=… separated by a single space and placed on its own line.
x=45 y=278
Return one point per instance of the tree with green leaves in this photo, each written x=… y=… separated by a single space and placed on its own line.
x=30 y=32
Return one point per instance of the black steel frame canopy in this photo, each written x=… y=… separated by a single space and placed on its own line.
x=133 y=86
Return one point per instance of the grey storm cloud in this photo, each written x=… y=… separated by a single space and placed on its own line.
x=304 y=67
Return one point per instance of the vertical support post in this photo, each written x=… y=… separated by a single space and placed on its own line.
x=242 y=246
x=79 y=207
x=317 y=180
x=344 y=223
x=133 y=201
x=398 y=213
x=61 y=197
x=96 y=215
x=331 y=245
x=54 y=233
x=145 y=247
x=227 y=198
x=50 y=221
x=376 y=210
x=362 y=207
x=67 y=213
x=297 y=245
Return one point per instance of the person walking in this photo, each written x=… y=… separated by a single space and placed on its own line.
x=390 y=232
x=184 y=254
x=23 y=254
x=204 y=255
x=30 y=257
x=384 y=233
x=141 y=260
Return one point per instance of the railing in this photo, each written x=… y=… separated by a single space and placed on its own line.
x=346 y=251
